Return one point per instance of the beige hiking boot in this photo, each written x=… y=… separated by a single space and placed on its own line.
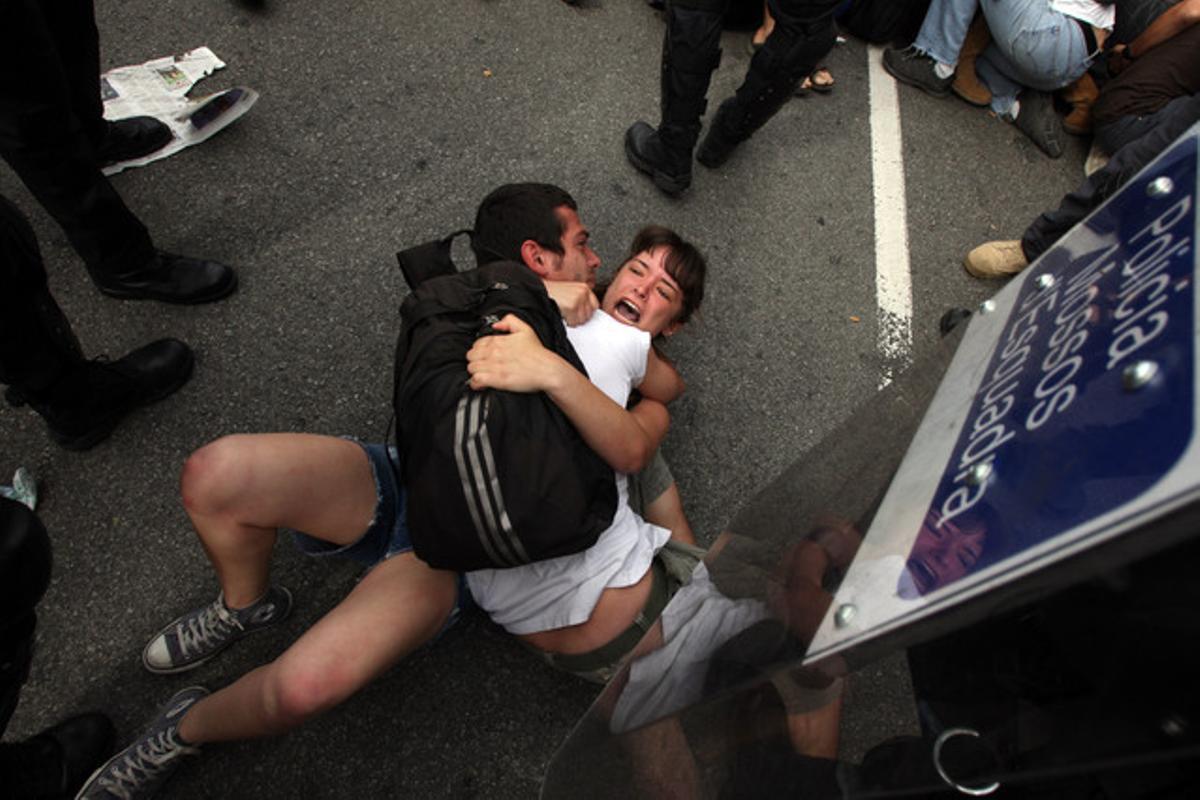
x=996 y=259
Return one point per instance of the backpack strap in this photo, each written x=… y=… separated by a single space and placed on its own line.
x=430 y=260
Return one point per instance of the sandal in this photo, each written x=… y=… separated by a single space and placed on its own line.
x=820 y=81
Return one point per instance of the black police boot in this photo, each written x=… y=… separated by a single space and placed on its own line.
x=789 y=54
x=56 y=762
x=689 y=57
x=85 y=404
x=130 y=138
x=170 y=278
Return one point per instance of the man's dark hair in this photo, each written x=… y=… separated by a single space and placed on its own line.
x=684 y=263
x=515 y=212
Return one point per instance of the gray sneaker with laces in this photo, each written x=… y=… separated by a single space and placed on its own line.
x=917 y=69
x=197 y=636
x=140 y=769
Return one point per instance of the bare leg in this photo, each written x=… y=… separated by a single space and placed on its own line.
x=666 y=511
x=397 y=607
x=239 y=489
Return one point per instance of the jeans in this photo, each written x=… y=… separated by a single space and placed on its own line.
x=1031 y=45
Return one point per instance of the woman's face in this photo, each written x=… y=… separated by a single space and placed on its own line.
x=643 y=295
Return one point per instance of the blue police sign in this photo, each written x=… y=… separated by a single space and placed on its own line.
x=1067 y=416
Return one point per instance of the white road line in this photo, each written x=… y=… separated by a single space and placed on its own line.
x=893 y=281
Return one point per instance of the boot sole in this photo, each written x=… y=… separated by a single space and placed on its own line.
x=136 y=294
x=90 y=439
x=668 y=184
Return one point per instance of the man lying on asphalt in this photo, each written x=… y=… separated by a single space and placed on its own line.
x=584 y=611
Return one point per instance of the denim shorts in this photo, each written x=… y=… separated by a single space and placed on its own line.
x=387 y=535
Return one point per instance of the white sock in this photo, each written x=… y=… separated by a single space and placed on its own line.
x=943 y=71
x=1014 y=109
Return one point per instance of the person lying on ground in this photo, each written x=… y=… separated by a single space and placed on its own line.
x=240 y=490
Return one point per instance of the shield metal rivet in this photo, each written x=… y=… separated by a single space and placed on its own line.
x=979 y=473
x=844 y=614
x=1138 y=374
x=1160 y=187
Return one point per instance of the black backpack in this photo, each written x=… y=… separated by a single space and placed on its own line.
x=493 y=479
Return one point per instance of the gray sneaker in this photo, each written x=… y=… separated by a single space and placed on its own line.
x=1038 y=120
x=138 y=770
x=197 y=636
x=913 y=67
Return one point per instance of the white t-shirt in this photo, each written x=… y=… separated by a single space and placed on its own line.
x=563 y=591
x=1091 y=12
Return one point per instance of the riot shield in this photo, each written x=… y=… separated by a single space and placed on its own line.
x=1017 y=514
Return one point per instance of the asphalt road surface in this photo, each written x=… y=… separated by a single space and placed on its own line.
x=382 y=124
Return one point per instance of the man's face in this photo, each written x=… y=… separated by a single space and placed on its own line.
x=578 y=261
x=643 y=295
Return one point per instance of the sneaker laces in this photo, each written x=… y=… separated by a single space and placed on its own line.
x=215 y=622
x=145 y=764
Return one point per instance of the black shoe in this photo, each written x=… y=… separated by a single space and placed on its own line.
x=85 y=405
x=130 y=138
x=171 y=279
x=913 y=67
x=719 y=143
x=1038 y=120
x=56 y=762
x=671 y=168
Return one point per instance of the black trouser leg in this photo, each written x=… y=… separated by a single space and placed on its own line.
x=804 y=34
x=37 y=345
x=48 y=125
x=24 y=575
x=691 y=51
x=1104 y=183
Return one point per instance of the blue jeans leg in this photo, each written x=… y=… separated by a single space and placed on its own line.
x=1032 y=45
x=945 y=29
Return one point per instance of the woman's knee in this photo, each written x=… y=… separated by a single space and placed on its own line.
x=215 y=476
x=299 y=692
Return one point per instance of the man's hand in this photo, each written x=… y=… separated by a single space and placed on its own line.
x=513 y=360
x=576 y=301
x=1118 y=59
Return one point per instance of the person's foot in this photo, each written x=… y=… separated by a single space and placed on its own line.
x=1037 y=119
x=719 y=143
x=820 y=81
x=967 y=85
x=996 y=259
x=171 y=279
x=130 y=138
x=86 y=404
x=1080 y=96
x=195 y=637
x=54 y=763
x=645 y=149
x=917 y=69
x=141 y=768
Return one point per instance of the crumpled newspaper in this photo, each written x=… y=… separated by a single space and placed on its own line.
x=159 y=89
